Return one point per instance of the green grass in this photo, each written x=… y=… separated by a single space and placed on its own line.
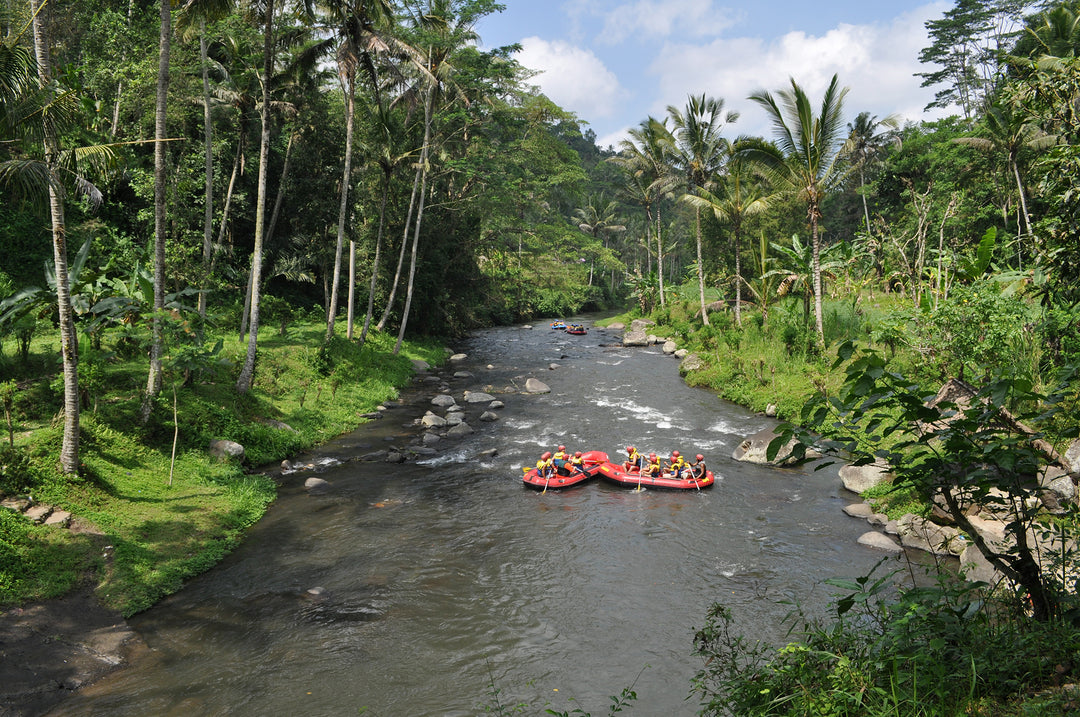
x=161 y=534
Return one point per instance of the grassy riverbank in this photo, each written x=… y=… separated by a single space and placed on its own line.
x=143 y=525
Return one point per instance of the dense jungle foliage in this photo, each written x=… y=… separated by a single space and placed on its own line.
x=328 y=179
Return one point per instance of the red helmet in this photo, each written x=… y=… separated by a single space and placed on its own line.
x=699 y=457
x=562 y=448
x=546 y=455
x=577 y=454
x=674 y=454
x=630 y=449
x=652 y=455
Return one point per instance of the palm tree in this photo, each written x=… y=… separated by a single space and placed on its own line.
x=804 y=159
x=446 y=27
x=361 y=28
x=864 y=144
x=742 y=195
x=247 y=372
x=157 y=341
x=597 y=219
x=1008 y=133
x=699 y=152
x=193 y=17
x=644 y=156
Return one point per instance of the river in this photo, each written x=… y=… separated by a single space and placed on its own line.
x=451 y=588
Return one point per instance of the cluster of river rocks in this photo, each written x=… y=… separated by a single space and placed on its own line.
x=1056 y=486
x=1053 y=488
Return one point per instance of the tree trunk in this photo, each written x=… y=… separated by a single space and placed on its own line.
x=428 y=110
x=348 y=88
x=375 y=263
x=660 y=254
x=738 y=273
x=700 y=268
x=349 y=318
x=815 y=234
x=69 y=348
x=865 y=206
x=401 y=255
x=243 y=383
x=157 y=341
x=208 y=136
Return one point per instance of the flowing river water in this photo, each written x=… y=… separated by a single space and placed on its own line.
x=446 y=579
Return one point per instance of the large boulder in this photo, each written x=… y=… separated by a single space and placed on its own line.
x=533 y=385
x=635 y=338
x=462 y=429
x=879 y=541
x=430 y=420
x=692 y=362
x=420 y=365
x=443 y=400
x=917 y=532
x=225 y=450
x=1072 y=456
x=754 y=450
x=670 y=347
x=861 y=478
x=478 y=397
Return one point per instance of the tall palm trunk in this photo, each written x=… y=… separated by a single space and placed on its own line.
x=660 y=254
x=243 y=382
x=401 y=254
x=701 y=268
x=738 y=271
x=331 y=314
x=69 y=348
x=208 y=136
x=375 y=262
x=157 y=341
x=428 y=110
x=815 y=235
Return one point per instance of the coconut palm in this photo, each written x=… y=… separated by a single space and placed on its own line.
x=597 y=219
x=446 y=27
x=193 y=18
x=699 y=153
x=360 y=29
x=1008 y=133
x=33 y=113
x=741 y=195
x=645 y=156
x=804 y=159
x=247 y=372
x=865 y=143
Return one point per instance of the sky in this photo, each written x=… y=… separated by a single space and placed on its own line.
x=616 y=62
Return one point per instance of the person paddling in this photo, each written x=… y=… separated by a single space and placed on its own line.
x=560 y=461
x=545 y=467
x=697 y=468
x=654 y=465
x=677 y=465
x=577 y=464
x=633 y=460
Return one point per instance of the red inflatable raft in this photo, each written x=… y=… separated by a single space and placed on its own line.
x=592 y=460
x=615 y=473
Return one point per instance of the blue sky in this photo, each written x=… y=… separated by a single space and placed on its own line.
x=615 y=62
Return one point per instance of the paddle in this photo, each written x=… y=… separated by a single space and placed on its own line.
x=547 y=481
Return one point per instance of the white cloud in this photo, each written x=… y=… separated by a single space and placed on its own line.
x=575 y=78
x=663 y=18
x=877 y=63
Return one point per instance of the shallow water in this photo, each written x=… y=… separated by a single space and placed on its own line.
x=446 y=579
